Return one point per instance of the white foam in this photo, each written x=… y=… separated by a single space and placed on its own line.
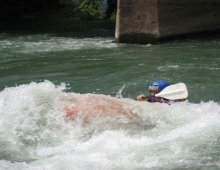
x=50 y=44
x=35 y=134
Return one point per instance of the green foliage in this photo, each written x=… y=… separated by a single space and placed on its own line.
x=89 y=9
x=113 y=16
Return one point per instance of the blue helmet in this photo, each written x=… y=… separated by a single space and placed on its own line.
x=158 y=85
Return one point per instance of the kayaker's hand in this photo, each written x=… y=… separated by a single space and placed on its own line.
x=142 y=97
x=182 y=100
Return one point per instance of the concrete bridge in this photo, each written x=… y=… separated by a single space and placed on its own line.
x=149 y=21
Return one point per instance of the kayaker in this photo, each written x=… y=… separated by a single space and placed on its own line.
x=156 y=87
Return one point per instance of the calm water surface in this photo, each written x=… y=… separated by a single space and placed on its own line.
x=37 y=71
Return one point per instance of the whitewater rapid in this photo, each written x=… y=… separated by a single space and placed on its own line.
x=35 y=133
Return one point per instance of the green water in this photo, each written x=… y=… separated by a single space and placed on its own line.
x=97 y=65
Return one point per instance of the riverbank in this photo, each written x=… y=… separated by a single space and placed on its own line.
x=60 y=20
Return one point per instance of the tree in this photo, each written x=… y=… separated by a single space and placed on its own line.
x=89 y=9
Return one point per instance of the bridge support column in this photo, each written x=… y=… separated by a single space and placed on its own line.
x=148 y=21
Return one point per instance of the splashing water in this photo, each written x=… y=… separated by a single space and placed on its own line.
x=35 y=133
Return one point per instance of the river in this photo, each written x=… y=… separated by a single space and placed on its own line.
x=41 y=71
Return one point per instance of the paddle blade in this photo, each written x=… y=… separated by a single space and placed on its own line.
x=173 y=92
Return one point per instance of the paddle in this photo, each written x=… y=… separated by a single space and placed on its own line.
x=173 y=92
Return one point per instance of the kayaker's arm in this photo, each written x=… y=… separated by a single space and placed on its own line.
x=153 y=99
x=142 y=97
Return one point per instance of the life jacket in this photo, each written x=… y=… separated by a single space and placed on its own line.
x=153 y=99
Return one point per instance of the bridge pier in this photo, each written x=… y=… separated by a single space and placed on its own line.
x=148 y=21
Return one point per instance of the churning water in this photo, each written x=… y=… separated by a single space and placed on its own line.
x=42 y=73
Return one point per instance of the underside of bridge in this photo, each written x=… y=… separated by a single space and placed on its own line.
x=149 y=21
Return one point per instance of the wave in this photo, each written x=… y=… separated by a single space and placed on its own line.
x=48 y=43
x=104 y=130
